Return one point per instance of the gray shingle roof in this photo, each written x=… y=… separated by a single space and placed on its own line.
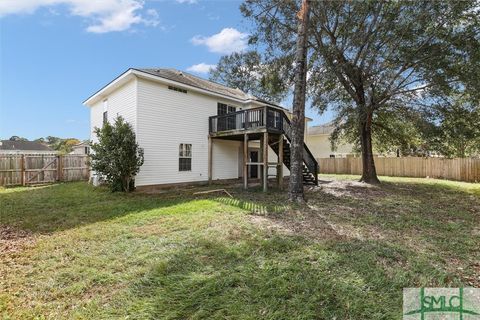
x=191 y=80
x=24 y=145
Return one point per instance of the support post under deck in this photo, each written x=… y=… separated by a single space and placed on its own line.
x=245 y=160
x=265 y=161
x=280 y=162
x=210 y=153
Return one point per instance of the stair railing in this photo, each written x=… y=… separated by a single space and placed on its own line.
x=271 y=118
x=308 y=157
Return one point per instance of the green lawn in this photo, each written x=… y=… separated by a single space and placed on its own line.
x=71 y=251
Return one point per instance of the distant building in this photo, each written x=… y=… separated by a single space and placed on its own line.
x=24 y=147
x=81 y=148
x=318 y=140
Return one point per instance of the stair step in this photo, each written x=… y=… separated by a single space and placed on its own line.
x=307 y=177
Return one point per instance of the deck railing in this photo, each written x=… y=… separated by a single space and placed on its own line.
x=264 y=117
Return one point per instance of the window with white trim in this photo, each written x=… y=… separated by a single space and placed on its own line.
x=185 y=157
x=105 y=111
x=225 y=123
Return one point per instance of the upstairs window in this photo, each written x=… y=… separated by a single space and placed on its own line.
x=222 y=109
x=225 y=123
x=105 y=110
x=177 y=89
x=185 y=157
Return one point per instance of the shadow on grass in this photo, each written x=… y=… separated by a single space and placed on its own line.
x=253 y=206
x=64 y=206
x=281 y=277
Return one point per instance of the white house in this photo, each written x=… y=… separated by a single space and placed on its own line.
x=195 y=130
x=318 y=140
x=81 y=148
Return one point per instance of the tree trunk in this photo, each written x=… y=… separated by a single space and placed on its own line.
x=295 y=189
x=369 y=173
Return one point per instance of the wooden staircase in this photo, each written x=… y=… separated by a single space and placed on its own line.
x=274 y=122
x=310 y=164
x=309 y=178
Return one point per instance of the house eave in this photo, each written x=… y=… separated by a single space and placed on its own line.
x=130 y=73
x=109 y=87
x=149 y=76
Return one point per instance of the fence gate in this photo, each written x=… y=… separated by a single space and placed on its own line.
x=31 y=169
x=40 y=169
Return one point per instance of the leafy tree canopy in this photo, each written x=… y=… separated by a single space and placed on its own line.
x=62 y=145
x=247 y=72
x=371 y=58
x=17 y=138
x=455 y=127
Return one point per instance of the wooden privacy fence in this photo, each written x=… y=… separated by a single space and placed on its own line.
x=452 y=169
x=30 y=169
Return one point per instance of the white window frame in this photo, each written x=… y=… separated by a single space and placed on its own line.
x=105 y=111
x=184 y=152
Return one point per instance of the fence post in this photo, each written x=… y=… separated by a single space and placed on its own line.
x=22 y=172
x=59 y=168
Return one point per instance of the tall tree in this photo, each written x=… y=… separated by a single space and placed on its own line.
x=295 y=189
x=368 y=57
x=248 y=72
x=398 y=130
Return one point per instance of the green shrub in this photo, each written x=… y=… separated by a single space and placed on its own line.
x=117 y=155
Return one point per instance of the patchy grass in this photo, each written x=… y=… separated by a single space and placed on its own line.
x=76 y=252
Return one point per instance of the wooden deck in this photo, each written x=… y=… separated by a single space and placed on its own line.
x=254 y=122
x=272 y=128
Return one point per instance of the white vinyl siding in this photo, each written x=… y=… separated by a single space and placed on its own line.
x=96 y=119
x=225 y=159
x=163 y=119
x=167 y=118
x=272 y=157
x=120 y=102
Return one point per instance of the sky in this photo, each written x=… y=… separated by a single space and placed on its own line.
x=56 y=53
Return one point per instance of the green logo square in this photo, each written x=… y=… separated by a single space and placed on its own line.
x=441 y=303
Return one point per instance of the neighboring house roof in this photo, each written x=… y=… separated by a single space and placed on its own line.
x=326 y=128
x=23 y=145
x=82 y=144
x=194 y=81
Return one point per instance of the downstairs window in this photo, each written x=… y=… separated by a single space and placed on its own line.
x=185 y=157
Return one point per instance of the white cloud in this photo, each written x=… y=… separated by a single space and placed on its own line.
x=201 y=68
x=103 y=15
x=226 y=41
x=187 y=1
